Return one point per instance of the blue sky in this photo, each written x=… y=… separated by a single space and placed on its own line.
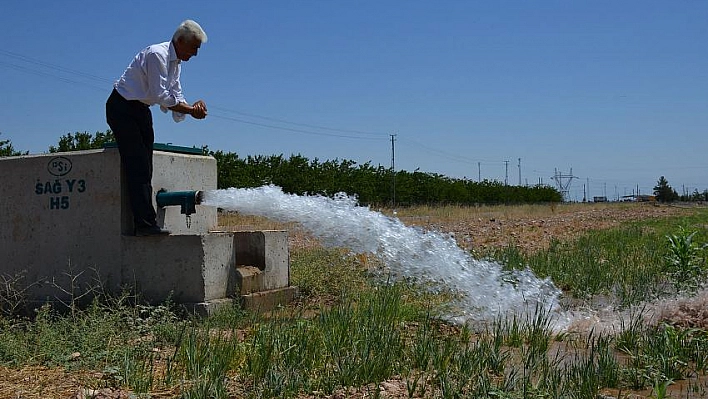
x=615 y=90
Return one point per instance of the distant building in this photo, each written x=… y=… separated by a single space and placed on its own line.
x=599 y=199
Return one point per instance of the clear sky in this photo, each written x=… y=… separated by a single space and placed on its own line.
x=617 y=91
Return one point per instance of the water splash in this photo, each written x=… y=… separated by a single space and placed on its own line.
x=484 y=290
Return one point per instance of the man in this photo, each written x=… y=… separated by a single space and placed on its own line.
x=152 y=78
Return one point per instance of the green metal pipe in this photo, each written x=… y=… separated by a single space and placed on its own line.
x=186 y=200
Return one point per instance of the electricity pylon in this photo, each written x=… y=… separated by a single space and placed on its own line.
x=563 y=182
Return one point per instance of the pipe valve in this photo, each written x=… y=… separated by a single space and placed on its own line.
x=186 y=200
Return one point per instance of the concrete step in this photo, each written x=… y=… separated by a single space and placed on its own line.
x=263 y=301
x=249 y=279
x=268 y=300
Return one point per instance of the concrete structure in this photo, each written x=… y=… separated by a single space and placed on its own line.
x=66 y=229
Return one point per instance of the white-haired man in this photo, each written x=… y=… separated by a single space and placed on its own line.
x=151 y=78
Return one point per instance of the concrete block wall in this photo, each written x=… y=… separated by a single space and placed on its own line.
x=268 y=251
x=61 y=215
x=186 y=268
x=179 y=172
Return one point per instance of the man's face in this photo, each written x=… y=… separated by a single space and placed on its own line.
x=187 y=48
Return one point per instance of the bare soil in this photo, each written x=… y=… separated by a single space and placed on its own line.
x=496 y=227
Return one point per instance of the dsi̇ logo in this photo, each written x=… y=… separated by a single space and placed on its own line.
x=59 y=166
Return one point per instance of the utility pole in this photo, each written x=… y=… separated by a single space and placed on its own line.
x=393 y=170
x=479 y=172
x=519 y=172
x=506 y=173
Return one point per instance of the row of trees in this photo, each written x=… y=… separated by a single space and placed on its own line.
x=373 y=185
x=665 y=193
x=68 y=142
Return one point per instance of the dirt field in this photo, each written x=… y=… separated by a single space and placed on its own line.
x=533 y=228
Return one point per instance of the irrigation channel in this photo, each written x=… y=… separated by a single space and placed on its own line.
x=483 y=290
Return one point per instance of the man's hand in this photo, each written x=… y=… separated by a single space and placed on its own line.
x=199 y=110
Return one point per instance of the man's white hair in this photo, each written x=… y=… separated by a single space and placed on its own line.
x=190 y=30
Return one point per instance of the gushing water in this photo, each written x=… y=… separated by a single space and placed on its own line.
x=483 y=290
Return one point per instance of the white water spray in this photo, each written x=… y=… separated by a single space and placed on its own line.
x=485 y=290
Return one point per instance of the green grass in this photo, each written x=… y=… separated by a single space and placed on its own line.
x=633 y=263
x=355 y=329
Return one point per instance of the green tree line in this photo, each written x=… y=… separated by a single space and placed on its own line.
x=372 y=184
x=665 y=193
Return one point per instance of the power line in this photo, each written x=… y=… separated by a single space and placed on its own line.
x=54 y=66
x=295 y=130
x=298 y=124
x=448 y=156
x=50 y=75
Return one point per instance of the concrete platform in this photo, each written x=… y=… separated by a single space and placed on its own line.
x=66 y=224
x=185 y=268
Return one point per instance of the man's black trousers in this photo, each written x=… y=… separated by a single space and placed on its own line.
x=131 y=122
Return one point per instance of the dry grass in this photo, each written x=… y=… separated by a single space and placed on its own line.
x=41 y=382
x=297 y=238
x=233 y=221
x=507 y=212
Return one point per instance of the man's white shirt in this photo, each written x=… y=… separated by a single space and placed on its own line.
x=153 y=78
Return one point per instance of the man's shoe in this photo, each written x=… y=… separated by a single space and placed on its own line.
x=143 y=231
